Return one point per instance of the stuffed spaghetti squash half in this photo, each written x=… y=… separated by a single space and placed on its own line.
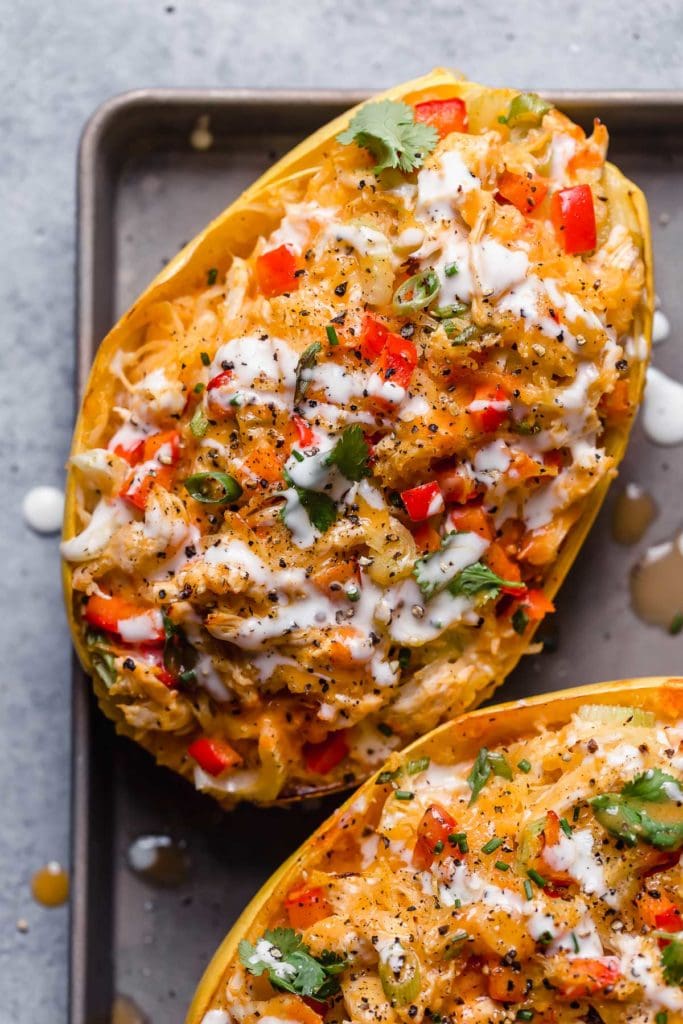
x=333 y=464
x=521 y=863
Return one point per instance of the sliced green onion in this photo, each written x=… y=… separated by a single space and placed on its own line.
x=528 y=889
x=205 y=358
x=499 y=765
x=198 y=388
x=575 y=943
x=199 y=423
x=451 y=269
x=444 y=312
x=331 y=335
x=524 y=766
x=421 y=764
x=464 y=337
x=576 y=812
x=492 y=845
x=524 y=1015
x=536 y=877
x=502 y=865
x=566 y=827
x=662 y=1017
x=404 y=794
x=526 y=109
x=438 y=847
x=403 y=987
x=213 y=488
x=387 y=776
x=416 y=293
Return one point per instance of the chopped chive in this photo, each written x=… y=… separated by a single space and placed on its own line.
x=662 y=1017
x=404 y=794
x=421 y=764
x=438 y=847
x=212 y=275
x=204 y=356
x=353 y=594
x=385 y=729
x=575 y=813
x=459 y=936
x=566 y=827
x=451 y=269
x=198 y=388
x=528 y=890
x=331 y=335
x=545 y=937
x=457 y=903
x=676 y=624
x=575 y=943
x=492 y=845
x=524 y=1015
x=501 y=865
x=297 y=455
x=537 y=878
x=524 y=766
x=385 y=777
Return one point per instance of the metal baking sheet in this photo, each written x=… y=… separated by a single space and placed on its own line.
x=144 y=190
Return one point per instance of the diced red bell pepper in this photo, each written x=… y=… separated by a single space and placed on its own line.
x=214 y=756
x=471 y=519
x=304 y=431
x=306 y=906
x=219 y=380
x=108 y=613
x=321 y=758
x=658 y=911
x=276 y=271
x=132 y=453
x=537 y=605
x=166 y=446
x=489 y=408
x=423 y=501
x=582 y=977
x=373 y=335
x=397 y=360
x=524 y=191
x=573 y=216
x=433 y=831
x=445 y=115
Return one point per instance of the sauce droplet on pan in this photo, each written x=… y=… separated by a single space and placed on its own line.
x=43 y=509
x=657 y=586
x=159 y=859
x=633 y=512
x=125 y=1011
x=662 y=415
x=50 y=885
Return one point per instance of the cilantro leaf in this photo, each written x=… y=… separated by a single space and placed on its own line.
x=486 y=764
x=307 y=360
x=351 y=453
x=628 y=822
x=281 y=955
x=389 y=131
x=479 y=579
x=650 y=786
x=102 y=658
x=320 y=508
x=672 y=957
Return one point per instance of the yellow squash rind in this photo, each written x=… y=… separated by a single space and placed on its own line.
x=233 y=232
x=453 y=742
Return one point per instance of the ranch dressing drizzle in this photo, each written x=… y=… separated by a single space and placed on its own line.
x=251 y=360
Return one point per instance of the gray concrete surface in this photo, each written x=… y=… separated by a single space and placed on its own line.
x=57 y=62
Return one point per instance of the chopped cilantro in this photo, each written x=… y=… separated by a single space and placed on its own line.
x=282 y=955
x=650 y=786
x=389 y=131
x=479 y=579
x=351 y=454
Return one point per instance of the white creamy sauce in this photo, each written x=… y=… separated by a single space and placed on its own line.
x=440 y=187
x=581 y=941
x=457 y=552
x=440 y=612
x=365 y=240
x=468 y=887
x=252 y=359
x=414 y=408
x=626 y=757
x=491 y=460
x=459 y=284
x=527 y=299
x=662 y=414
x=409 y=240
x=159 y=395
x=497 y=267
x=661 y=328
x=295 y=228
x=43 y=509
x=101 y=467
x=129 y=434
x=638 y=964
x=562 y=149
x=106 y=519
x=141 y=628
x=220 y=1017
x=636 y=348
x=575 y=855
